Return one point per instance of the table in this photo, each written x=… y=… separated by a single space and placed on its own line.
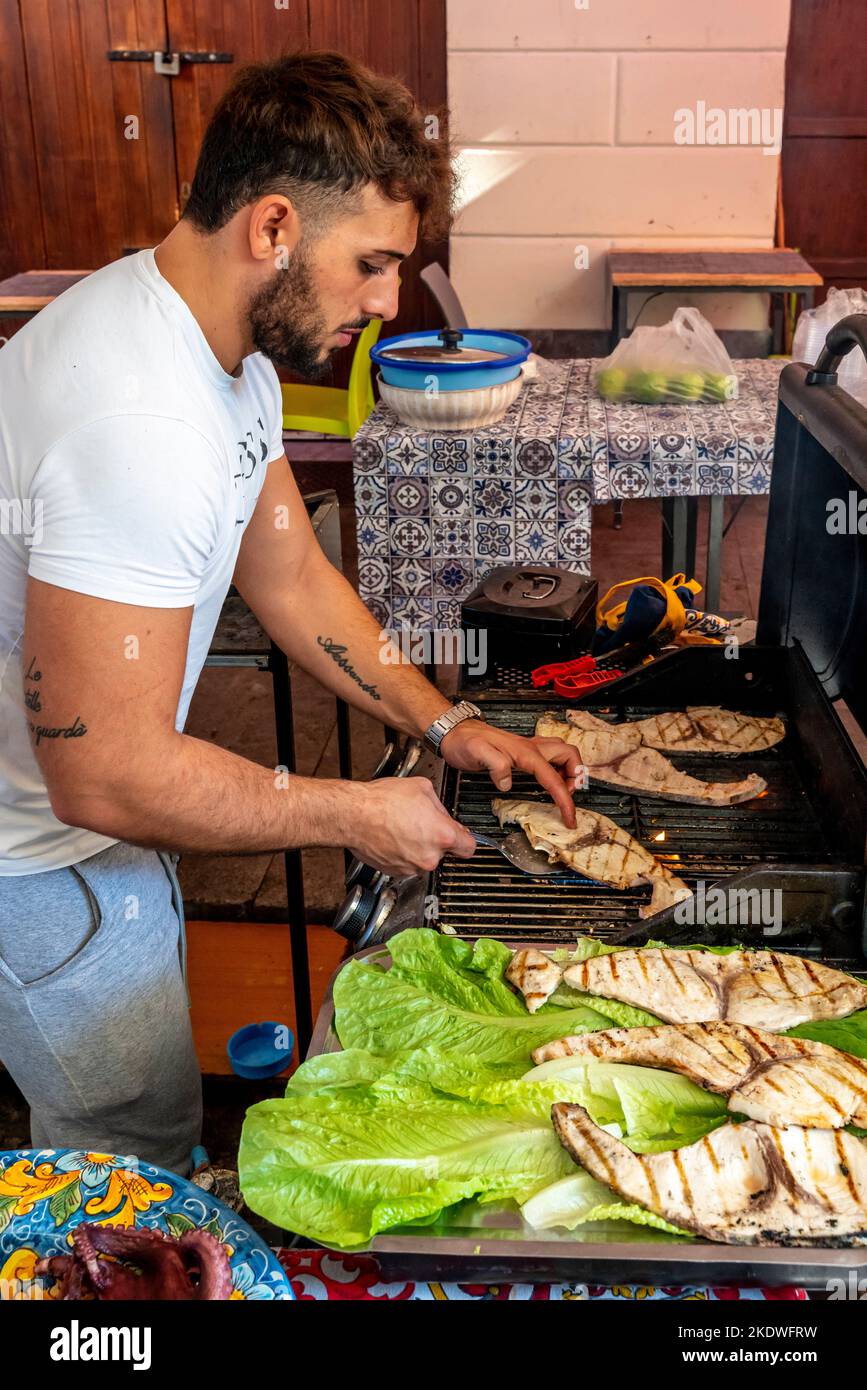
x=329 y=1276
x=436 y=512
x=777 y=271
x=23 y=295
x=680 y=453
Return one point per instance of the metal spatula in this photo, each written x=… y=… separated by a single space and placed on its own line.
x=517 y=849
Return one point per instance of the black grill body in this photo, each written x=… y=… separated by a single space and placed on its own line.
x=804 y=837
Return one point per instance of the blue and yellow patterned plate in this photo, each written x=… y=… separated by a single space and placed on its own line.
x=45 y=1193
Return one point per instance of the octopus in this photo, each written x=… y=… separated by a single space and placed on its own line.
x=142 y=1264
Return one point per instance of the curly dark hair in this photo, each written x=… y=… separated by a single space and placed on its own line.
x=318 y=126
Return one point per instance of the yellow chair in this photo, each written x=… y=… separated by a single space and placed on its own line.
x=328 y=409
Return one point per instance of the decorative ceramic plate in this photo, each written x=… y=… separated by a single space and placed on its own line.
x=45 y=1193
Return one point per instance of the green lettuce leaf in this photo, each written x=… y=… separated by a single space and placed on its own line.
x=362 y=1143
x=432 y=1069
x=655 y=1110
x=579 y=1199
x=446 y=993
x=849 y=1034
x=338 y=1167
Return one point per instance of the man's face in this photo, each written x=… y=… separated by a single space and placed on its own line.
x=333 y=285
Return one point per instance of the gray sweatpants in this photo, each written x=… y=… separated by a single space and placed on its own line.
x=94 y=1020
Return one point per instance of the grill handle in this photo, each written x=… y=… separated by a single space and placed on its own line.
x=848 y=333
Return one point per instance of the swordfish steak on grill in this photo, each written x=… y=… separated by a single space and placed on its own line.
x=747 y=1184
x=597 y=848
x=615 y=755
x=709 y=729
x=763 y=989
x=777 y=1080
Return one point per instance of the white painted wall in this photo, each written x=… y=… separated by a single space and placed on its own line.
x=563 y=115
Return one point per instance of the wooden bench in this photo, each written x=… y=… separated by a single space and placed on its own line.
x=777 y=272
x=25 y=294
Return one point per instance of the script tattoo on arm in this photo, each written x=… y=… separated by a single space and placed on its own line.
x=338 y=655
x=33 y=701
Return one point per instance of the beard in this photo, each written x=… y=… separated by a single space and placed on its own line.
x=286 y=323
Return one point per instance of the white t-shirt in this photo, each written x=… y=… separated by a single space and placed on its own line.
x=130 y=464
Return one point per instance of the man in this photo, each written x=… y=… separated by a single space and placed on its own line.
x=141 y=432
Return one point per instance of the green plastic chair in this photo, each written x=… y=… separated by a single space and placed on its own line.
x=328 y=409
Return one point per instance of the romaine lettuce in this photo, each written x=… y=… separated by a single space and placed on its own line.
x=361 y=1143
x=446 y=993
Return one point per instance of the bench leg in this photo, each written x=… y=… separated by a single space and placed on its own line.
x=619 y=315
x=714 y=554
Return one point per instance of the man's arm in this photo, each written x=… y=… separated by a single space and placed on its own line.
x=318 y=620
x=101 y=688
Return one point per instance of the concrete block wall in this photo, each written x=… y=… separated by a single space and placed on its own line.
x=563 y=112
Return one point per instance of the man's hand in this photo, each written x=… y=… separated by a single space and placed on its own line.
x=474 y=746
x=399 y=825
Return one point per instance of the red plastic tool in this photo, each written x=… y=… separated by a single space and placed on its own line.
x=571 y=678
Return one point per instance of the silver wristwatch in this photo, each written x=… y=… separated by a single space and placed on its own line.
x=437 y=731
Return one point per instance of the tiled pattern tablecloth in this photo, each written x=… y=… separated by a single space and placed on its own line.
x=436 y=512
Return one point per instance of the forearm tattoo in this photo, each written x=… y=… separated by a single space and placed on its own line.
x=338 y=655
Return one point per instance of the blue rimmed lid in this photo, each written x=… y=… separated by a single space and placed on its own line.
x=452 y=350
x=451 y=360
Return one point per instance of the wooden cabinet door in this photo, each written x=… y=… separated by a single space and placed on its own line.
x=825 y=142
x=22 y=243
x=102 y=130
x=251 y=30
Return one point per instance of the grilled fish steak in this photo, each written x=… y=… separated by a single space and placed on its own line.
x=777 y=1080
x=535 y=975
x=763 y=989
x=599 y=741
x=597 y=848
x=616 y=757
x=709 y=729
x=747 y=1184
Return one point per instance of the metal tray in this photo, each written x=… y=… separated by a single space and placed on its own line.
x=485 y=1244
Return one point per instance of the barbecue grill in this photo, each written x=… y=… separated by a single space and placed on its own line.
x=792 y=840
x=805 y=838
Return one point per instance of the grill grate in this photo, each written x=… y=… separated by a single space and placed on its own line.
x=485 y=896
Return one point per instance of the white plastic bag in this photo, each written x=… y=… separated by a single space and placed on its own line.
x=677 y=363
x=812 y=328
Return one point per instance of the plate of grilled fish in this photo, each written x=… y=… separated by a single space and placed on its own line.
x=787 y=1168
